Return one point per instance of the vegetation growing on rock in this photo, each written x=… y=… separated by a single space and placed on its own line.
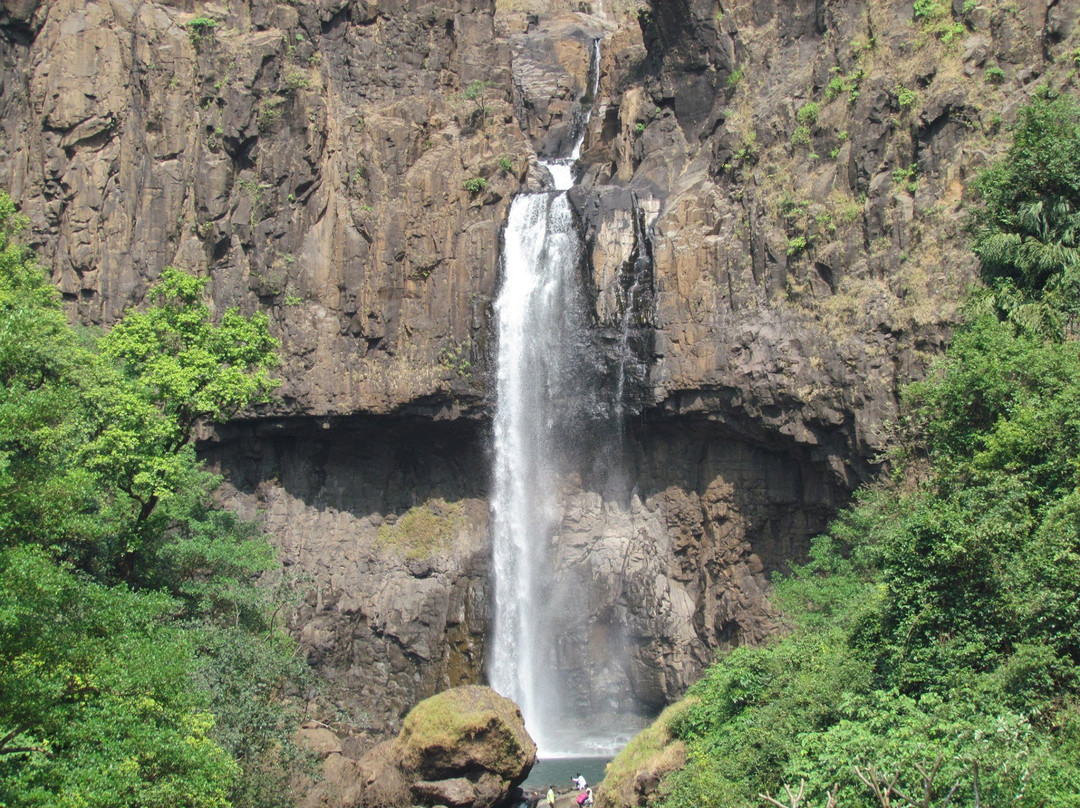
x=1028 y=231
x=466 y=746
x=447 y=732
x=423 y=530
x=651 y=754
x=934 y=648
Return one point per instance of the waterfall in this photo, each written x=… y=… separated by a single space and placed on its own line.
x=542 y=317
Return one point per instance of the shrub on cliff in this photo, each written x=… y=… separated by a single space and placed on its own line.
x=1027 y=231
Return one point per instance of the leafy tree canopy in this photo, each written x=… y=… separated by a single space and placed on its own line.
x=138 y=665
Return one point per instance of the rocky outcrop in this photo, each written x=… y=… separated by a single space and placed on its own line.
x=464 y=748
x=633 y=778
x=383 y=527
x=661 y=576
x=772 y=203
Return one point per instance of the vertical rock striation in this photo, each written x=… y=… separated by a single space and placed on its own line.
x=311 y=157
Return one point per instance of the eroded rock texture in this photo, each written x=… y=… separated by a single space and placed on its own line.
x=772 y=202
x=310 y=157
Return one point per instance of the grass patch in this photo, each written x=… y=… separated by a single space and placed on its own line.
x=294 y=79
x=439 y=721
x=652 y=750
x=423 y=530
x=270 y=111
x=808 y=113
x=466 y=714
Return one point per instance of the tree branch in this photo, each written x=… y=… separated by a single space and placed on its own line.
x=25 y=750
x=10 y=736
x=793 y=799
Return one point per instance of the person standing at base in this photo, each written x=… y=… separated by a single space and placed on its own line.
x=551 y=796
x=579 y=782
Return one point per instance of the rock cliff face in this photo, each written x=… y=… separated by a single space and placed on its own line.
x=772 y=202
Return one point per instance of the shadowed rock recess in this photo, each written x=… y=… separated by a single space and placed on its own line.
x=771 y=202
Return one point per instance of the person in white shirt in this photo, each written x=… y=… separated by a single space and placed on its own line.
x=579 y=782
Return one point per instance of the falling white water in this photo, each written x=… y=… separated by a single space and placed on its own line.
x=539 y=308
x=539 y=261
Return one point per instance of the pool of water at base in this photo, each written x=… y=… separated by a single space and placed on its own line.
x=558 y=771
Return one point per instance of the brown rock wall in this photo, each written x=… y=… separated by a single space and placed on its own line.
x=802 y=166
x=657 y=566
x=382 y=527
x=310 y=158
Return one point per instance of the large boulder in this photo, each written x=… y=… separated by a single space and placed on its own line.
x=464 y=748
x=463 y=732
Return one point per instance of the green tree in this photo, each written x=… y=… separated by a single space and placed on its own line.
x=44 y=408
x=97 y=708
x=139 y=665
x=182 y=367
x=477 y=93
x=1027 y=232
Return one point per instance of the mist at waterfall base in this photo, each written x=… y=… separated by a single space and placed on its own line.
x=558 y=417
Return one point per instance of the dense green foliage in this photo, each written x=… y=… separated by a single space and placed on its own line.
x=138 y=666
x=1027 y=233
x=936 y=630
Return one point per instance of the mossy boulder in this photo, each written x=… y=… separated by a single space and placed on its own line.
x=467 y=728
x=465 y=748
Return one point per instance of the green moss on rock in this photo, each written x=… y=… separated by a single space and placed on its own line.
x=423 y=530
x=466 y=728
x=633 y=776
